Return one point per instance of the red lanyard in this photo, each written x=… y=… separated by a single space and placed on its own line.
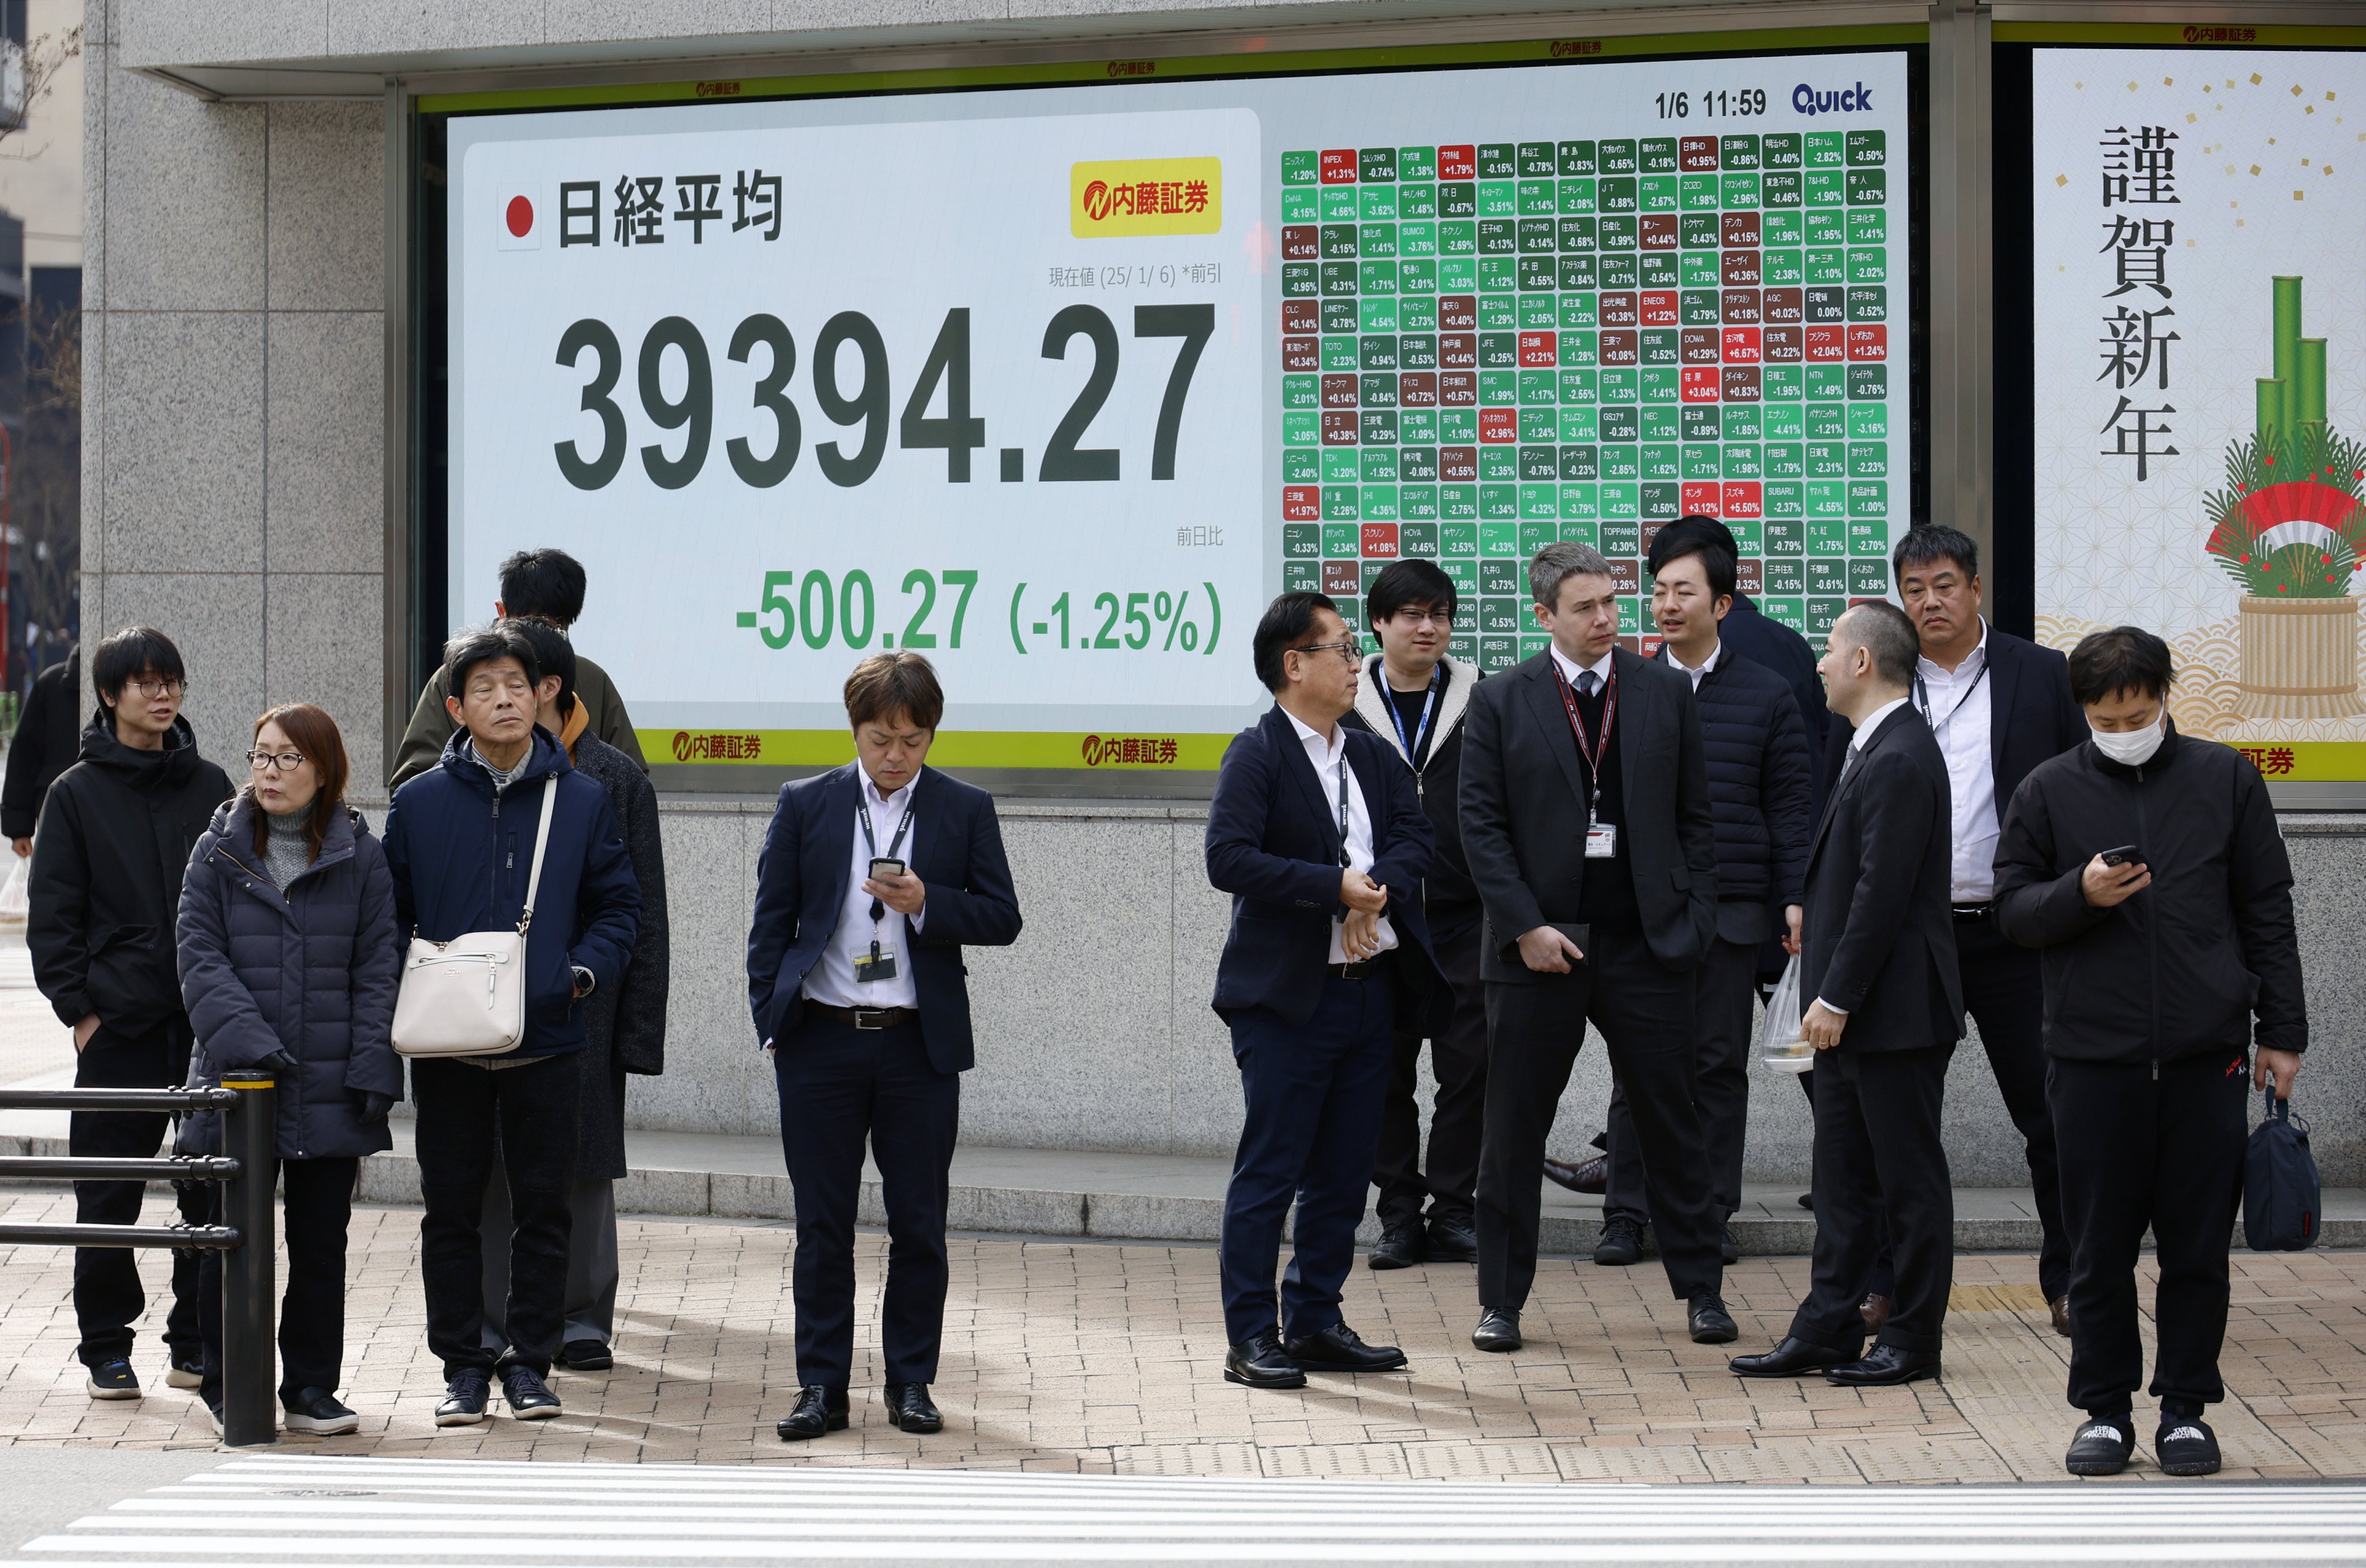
x=1577 y=726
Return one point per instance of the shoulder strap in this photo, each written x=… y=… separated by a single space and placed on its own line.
x=541 y=840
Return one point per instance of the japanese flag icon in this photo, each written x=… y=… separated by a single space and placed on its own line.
x=519 y=217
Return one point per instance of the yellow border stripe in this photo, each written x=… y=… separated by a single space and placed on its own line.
x=1143 y=749
x=2306 y=761
x=2197 y=35
x=1183 y=68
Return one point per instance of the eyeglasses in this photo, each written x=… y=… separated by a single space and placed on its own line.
x=151 y=686
x=286 y=761
x=1351 y=650
x=1409 y=618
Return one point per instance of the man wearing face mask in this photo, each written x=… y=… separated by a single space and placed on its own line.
x=2147 y=867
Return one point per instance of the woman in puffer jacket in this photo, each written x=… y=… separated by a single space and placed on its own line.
x=290 y=960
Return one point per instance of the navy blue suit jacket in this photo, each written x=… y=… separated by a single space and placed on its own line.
x=1273 y=844
x=801 y=882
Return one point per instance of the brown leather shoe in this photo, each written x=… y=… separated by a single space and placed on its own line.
x=2062 y=1315
x=1592 y=1177
x=1875 y=1310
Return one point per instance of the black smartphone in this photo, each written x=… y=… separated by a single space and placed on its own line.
x=2122 y=855
x=882 y=866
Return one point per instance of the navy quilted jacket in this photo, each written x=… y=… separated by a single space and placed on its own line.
x=310 y=971
x=1760 y=782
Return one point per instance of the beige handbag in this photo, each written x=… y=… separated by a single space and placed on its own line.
x=467 y=996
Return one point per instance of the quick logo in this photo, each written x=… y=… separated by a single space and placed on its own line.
x=1857 y=99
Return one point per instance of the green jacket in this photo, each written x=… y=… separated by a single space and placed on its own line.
x=431 y=723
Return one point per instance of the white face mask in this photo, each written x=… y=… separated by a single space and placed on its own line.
x=2131 y=748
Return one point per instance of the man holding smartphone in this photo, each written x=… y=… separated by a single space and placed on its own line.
x=873 y=877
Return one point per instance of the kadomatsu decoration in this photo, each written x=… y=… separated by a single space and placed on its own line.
x=2289 y=527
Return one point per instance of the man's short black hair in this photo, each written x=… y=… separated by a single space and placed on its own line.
x=134 y=651
x=1287 y=621
x=1410 y=584
x=1927 y=544
x=2122 y=660
x=1882 y=629
x=545 y=584
x=1718 y=563
x=1692 y=532
x=483 y=645
x=553 y=654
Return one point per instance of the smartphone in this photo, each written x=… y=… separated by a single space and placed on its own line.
x=2122 y=855
x=882 y=866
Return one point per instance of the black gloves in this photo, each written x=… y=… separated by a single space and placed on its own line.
x=375 y=1105
x=279 y=1064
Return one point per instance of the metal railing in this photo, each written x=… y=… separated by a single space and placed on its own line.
x=245 y=1168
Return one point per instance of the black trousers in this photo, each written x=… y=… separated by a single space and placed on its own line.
x=316 y=1206
x=2004 y=990
x=1534 y=1033
x=1310 y=1117
x=841 y=1086
x=2167 y=1151
x=1881 y=1174
x=109 y=1297
x=1724 y=987
x=1458 y=1060
x=468 y=1117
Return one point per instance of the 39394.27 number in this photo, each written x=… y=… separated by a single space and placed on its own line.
x=957 y=431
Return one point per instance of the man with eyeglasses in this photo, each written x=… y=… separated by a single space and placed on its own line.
x=1317 y=832
x=108 y=854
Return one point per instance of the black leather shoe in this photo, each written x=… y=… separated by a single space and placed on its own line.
x=1451 y=1239
x=1793 y=1358
x=1885 y=1364
x=1499 y=1329
x=910 y=1409
x=1399 y=1247
x=529 y=1397
x=2101 y=1448
x=1589 y=1176
x=817 y=1410
x=1339 y=1349
x=1621 y=1243
x=1728 y=1246
x=1712 y=1324
x=586 y=1356
x=1258 y=1361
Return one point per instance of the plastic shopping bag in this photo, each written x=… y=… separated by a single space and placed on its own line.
x=15 y=901
x=1784 y=1048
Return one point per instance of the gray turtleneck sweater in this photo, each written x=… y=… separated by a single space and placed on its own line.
x=287 y=852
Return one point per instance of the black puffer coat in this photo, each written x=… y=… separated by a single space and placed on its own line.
x=114 y=839
x=1761 y=784
x=310 y=971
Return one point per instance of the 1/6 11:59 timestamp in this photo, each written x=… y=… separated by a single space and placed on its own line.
x=1748 y=101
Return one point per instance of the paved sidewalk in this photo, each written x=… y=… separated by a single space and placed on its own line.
x=1093 y=1357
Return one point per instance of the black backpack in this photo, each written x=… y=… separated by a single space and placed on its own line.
x=2281 y=1205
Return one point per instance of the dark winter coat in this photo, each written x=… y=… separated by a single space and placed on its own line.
x=461 y=857
x=310 y=970
x=2182 y=968
x=1448 y=896
x=108 y=856
x=47 y=739
x=624 y=1025
x=1761 y=787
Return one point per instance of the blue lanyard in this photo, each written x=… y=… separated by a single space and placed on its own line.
x=1421 y=733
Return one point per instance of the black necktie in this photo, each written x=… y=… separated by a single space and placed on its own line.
x=1586 y=683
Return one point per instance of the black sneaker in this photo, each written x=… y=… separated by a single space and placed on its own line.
x=2101 y=1448
x=185 y=1371
x=1621 y=1243
x=2186 y=1447
x=114 y=1380
x=530 y=1398
x=316 y=1410
x=586 y=1356
x=464 y=1399
x=1451 y=1239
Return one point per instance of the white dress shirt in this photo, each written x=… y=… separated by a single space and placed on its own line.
x=1330 y=760
x=831 y=980
x=1958 y=705
x=1705 y=665
x=1570 y=668
x=1864 y=732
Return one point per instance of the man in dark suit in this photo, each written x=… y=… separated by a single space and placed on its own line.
x=1586 y=824
x=872 y=879
x=1998 y=705
x=1318 y=834
x=1878 y=955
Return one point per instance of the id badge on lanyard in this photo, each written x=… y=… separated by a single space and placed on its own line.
x=1601 y=837
x=879 y=965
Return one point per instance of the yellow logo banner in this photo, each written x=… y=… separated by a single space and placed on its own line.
x=1147 y=196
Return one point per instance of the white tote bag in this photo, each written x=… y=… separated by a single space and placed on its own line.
x=467 y=996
